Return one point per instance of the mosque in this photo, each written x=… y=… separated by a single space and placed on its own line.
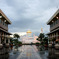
x=29 y=38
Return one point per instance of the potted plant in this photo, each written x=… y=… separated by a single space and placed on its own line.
x=50 y=43
x=1 y=46
x=37 y=44
x=46 y=42
x=7 y=45
x=20 y=43
x=57 y=45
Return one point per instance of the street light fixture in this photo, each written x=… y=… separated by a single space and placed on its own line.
x=5 y=21
x=57 y=17
x=52 y=21
x=0 y=16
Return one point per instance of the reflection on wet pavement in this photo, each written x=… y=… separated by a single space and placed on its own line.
x=6 y=56
x=31 y=52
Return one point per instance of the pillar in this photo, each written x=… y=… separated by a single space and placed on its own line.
x=0 y=37
x=8 y=40
x=0 y=40
x=56 y=35
x=5 y=40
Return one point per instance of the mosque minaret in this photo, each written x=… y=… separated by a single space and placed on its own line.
x=41 y=30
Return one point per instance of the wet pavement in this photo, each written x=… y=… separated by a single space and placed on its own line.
x=26 y=52
x=31 y=52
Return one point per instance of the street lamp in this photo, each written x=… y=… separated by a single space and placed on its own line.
x=57 y=17
x=0 y=16
x=5 y=21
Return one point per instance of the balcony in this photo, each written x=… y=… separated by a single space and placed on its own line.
x=54 y=27
x=4 y=27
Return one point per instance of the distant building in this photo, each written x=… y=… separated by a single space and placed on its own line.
x=28 y=38
x=29 y=33
x=4 y=34
x=54 y=26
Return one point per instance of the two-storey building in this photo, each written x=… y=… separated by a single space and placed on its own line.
x=4 y=34
x=54 y=26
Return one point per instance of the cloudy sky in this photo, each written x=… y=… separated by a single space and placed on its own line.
x=29 y=14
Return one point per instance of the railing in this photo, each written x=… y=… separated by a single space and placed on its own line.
x=4 y=27
x=52 y=28
x=5 y=36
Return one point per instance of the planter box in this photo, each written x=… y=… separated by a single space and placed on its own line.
x=20 y=44
x=7 y=45
x=37 y=44
x=56 y=52
x=50 y=45
x=56 y=46
x=1 y=46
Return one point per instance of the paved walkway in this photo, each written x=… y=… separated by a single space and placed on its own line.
x=28 y=52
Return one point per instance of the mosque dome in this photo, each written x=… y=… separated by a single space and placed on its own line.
x=29 y=31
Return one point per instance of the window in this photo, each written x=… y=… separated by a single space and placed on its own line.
x=56 y=21
x=0 y=20
x=51 y=25
x=6 y=24
x=3 y=22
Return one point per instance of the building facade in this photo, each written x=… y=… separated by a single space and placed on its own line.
x=4 y=34
x=54 y=26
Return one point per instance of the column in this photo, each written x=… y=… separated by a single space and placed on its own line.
x=0 y=40
x=0 y=37
x=52 y=35
x=5 y=40
x=56 y=35
x=8 y=40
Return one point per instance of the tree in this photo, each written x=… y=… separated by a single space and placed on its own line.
x=16 y=36
x=41 y=36
x=46 y=41
x=11 y=40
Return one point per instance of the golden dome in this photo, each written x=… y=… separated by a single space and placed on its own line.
x=29 y=31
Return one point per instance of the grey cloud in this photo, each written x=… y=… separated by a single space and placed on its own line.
x=29 y=14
